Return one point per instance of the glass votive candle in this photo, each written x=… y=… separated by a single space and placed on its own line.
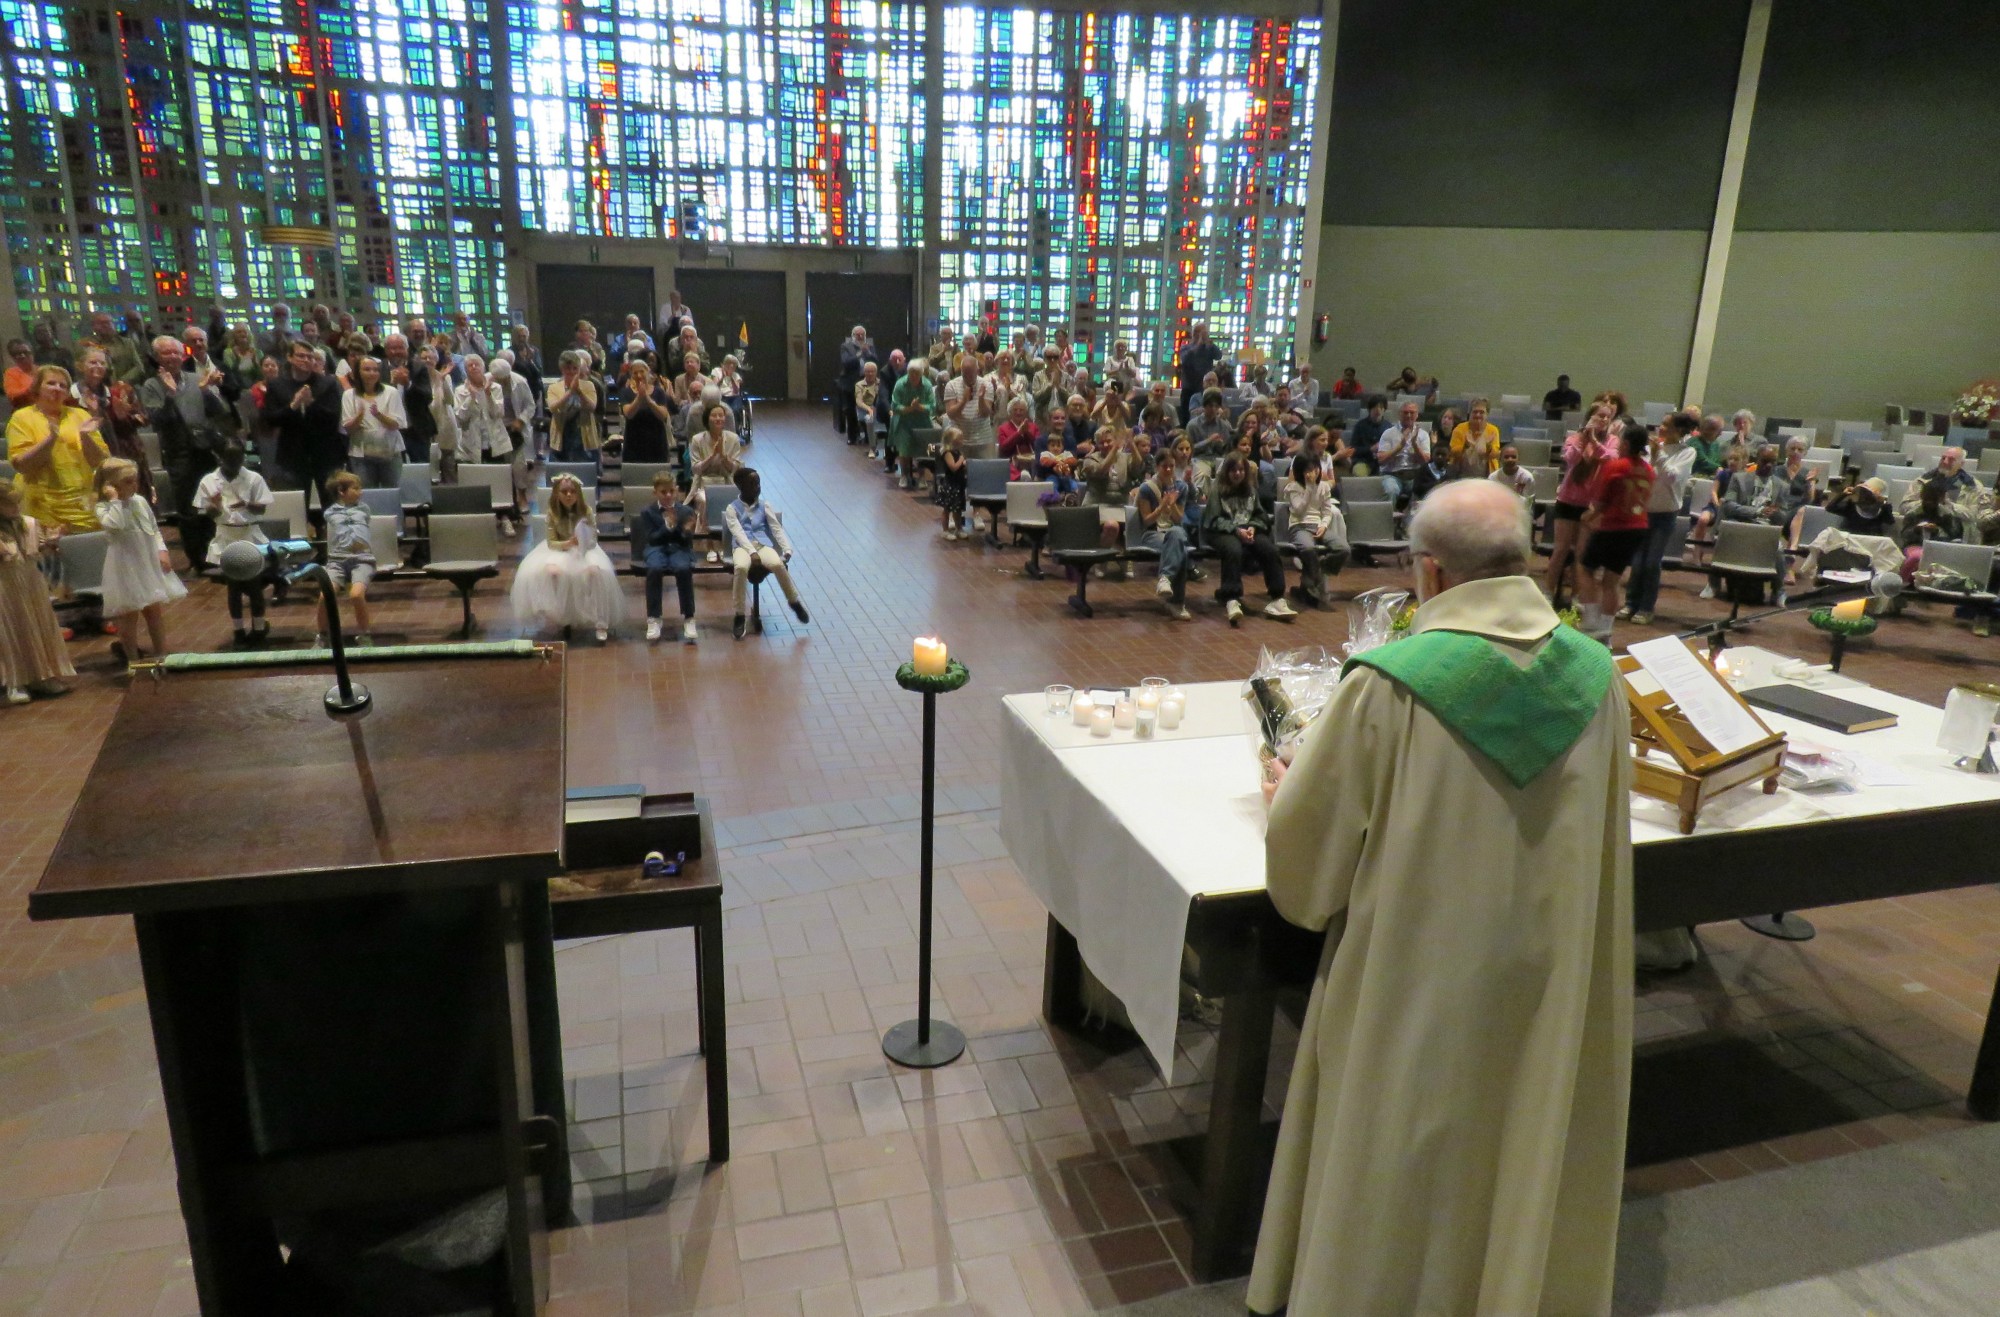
x=1143 y=721
x=1125 y=712
x=1172 y=708
x=1059 y=698
x=1147 y=698
x=1080 y=709
x=1153 y=683
x=1100 y=720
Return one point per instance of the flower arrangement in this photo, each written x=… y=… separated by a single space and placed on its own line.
x=1978 y=405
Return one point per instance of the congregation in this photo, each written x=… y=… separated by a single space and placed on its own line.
x=1214 y=458
x=1211 y=458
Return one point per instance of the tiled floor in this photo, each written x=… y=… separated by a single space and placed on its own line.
x=1021 y=1179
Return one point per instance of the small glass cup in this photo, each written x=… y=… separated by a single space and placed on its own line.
x=1059 y=697
x=1154 y=683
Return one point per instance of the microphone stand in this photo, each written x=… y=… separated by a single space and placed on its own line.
x=344 y=696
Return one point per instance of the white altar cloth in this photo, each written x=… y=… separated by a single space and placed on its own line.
x=1117 y=836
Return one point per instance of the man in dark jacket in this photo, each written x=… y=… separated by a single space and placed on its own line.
x=302 y=406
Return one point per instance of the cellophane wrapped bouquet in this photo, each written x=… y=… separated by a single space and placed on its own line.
x=1284 y=695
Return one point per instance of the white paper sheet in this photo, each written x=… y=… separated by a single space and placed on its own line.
x=1704 y=701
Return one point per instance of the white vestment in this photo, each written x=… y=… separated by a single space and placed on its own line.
x=1454 y=1135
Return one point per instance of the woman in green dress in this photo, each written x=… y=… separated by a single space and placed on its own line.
x=911 y=406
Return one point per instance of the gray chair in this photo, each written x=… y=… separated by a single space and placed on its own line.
x=583 y=471
x=80 y=555
x=1812 y=520
x=289 y=505
x=1075 y=541
x=1674 y=558
x=1534 y=452
x=460 y=500
x=1746 y=558
x=1331 y=557
x=1138 y=552
x=465 y=550
x=1825 y=468
x=1548 y=480
x=1958 y=436
x=416 y=487
x=1887 y=471
x=1027 y=516
x=6 y=470
x=498 y=480
x=1363 y=489
x=986 y=489
x=1988 y=463
x=1975 y=563
x=1701 y=492
x=1835 y=458
x=1898 y=486
x=1869 y=461
x=635 y=480
x=1371 y=529
x=384 y=503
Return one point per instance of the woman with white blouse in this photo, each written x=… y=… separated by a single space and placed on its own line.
x=373 y=418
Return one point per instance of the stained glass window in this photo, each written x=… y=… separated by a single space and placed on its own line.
x=1127 y=172
x=147 y=149
x=757 y=121
x=1131 y=172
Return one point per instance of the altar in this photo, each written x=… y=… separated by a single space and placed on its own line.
x=1149 y=856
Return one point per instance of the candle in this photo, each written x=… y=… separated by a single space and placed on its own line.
x=1147 y=698
x=1100 y=721
x=1850 y=610
x=1081 y=708
x=1171 y=709
x=928 y=656
x=1142 y=724
x=1125 y=713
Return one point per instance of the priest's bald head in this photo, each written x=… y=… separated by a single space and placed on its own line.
x=1468 y=530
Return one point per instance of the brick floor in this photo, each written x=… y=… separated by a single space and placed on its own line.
x=1023 y=1179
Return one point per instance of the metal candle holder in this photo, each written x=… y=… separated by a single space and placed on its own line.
x=923 y=1043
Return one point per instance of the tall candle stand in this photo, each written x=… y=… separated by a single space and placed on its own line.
x=923 y=1042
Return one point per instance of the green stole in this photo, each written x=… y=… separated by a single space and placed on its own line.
x=1523 y=719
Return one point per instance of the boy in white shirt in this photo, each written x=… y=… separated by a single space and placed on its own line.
x=237 y=497
x=1513 y=475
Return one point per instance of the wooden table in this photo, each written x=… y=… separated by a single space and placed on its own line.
x=336 y=918
x=605 y=896
x=1244 y=953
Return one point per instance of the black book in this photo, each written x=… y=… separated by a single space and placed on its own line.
x=1819 y=709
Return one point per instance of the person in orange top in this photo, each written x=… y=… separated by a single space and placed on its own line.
x=1475 y=444
x=20 y=373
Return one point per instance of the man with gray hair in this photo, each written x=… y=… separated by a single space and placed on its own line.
x=1466 y=1051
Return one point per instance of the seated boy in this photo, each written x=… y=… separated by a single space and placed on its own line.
x=350 y=553
x=667 y=527
x=757 y=534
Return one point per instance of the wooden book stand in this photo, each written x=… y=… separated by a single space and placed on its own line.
x=1700 y=772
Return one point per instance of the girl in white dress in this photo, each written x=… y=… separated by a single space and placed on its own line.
x=138 y=577
x=567 y=580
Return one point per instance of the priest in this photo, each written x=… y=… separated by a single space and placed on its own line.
x=1454 y=1135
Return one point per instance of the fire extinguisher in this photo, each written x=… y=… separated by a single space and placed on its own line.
x=1319 y=329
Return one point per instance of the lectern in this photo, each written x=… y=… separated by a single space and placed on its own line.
x=343 y=924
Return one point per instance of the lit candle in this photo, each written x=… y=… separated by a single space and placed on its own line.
x=1125 y=715
x=1147 y=698
x=1143 y=722
x=1850 y=610
x=928 y=656
x=1100 y=720
x=1171 y=709
x=1081 y=708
